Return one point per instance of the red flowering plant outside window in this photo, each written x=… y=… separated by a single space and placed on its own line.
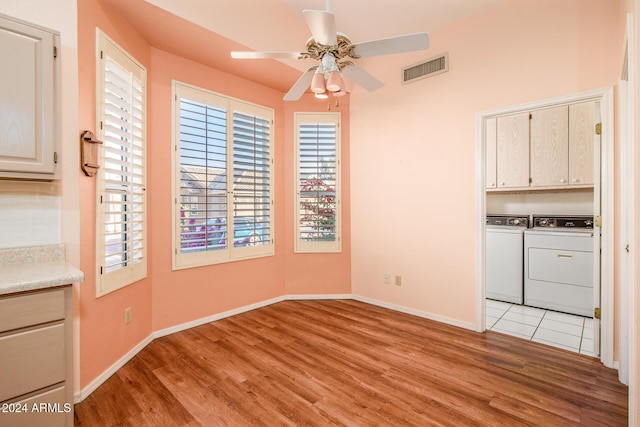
x=318 y=210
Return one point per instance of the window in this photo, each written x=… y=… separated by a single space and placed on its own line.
x=223 y=184
x=121 y=200
x=318 y=182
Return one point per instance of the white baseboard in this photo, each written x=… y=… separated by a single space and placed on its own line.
x=423 y=314
x=82 y=394
x=318 y=296
x=213 y=318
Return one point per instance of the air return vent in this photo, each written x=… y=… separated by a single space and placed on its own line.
x=428 y=68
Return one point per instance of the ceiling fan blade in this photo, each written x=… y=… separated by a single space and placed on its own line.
x=322 y=24
x=362 y=78
x=263 y=55
x=399 y=44
x=301 y=85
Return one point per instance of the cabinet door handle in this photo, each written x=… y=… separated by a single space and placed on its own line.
x=564 y=256
x=563 y=180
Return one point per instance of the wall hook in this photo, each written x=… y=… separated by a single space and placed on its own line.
x=89 y=153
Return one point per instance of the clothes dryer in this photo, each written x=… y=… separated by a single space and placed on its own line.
x=558 y=267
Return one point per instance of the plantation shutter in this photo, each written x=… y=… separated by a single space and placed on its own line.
x=318 y=197
x=223 y=183
x=203 y=176
x=251 y=179
x=121 y=176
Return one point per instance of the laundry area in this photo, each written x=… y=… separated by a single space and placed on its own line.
x=539 y=279
x=542 y=230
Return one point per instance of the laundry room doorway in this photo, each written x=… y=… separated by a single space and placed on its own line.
x=549 y=162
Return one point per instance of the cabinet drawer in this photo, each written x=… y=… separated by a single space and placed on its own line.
x=31 y=360
x=46 y=409
x=31 y=309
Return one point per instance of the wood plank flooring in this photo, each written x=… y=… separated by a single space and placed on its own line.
x=343 y=362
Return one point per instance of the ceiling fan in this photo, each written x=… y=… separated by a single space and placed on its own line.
x=335 y=52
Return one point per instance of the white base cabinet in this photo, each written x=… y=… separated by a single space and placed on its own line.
x=36 y=368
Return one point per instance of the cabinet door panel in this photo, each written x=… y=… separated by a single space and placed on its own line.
x=490 y=153
x=513 y=151
x=27 y=105
x=32 y=309
x=50 y=411
x=31 y=360
x=581 y=135
x=550 y=147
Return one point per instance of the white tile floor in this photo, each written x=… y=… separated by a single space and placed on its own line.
x=574 y=333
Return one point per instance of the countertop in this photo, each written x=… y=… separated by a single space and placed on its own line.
x=35 y=267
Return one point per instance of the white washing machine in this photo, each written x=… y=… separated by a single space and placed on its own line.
x=504 y=257
x=558 y=269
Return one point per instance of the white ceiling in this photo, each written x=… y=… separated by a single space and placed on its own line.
x=279 y=25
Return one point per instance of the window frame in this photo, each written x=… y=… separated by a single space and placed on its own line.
x=300 y=245
x=136 y=222
x=230 y=252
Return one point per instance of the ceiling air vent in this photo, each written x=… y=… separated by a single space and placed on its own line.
x=428 y=68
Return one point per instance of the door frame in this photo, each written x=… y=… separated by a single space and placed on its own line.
x=627 y=196
x=605 y=97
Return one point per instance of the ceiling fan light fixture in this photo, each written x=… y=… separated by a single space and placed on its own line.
x=334 y=81
x=322 y=95
x=339 y=93
x=317 y=83
x=329 y=63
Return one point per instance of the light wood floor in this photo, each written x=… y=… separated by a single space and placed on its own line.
x=343 y=362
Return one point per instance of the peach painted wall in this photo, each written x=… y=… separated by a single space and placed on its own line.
x=413 y=147
x=184 y=295
x=104 y=338
x=328 y=273
x=168 y=298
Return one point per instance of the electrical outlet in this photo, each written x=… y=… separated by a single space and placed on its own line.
x=127 y=315
x=398 y=281
x=387 y=278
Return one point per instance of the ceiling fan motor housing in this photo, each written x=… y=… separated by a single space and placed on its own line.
x=342 y=49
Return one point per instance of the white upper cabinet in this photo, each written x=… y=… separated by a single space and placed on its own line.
x=549 y=147
x=581 y=138
x=512 y=152
x=491 y=138
x=29 y=102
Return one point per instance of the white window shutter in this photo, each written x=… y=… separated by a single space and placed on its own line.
x=121 y=178
x=223 y=179
x=318 y=211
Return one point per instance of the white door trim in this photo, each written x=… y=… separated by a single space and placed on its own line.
x=634 y=288
x=605 y=97
x=627 y=190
